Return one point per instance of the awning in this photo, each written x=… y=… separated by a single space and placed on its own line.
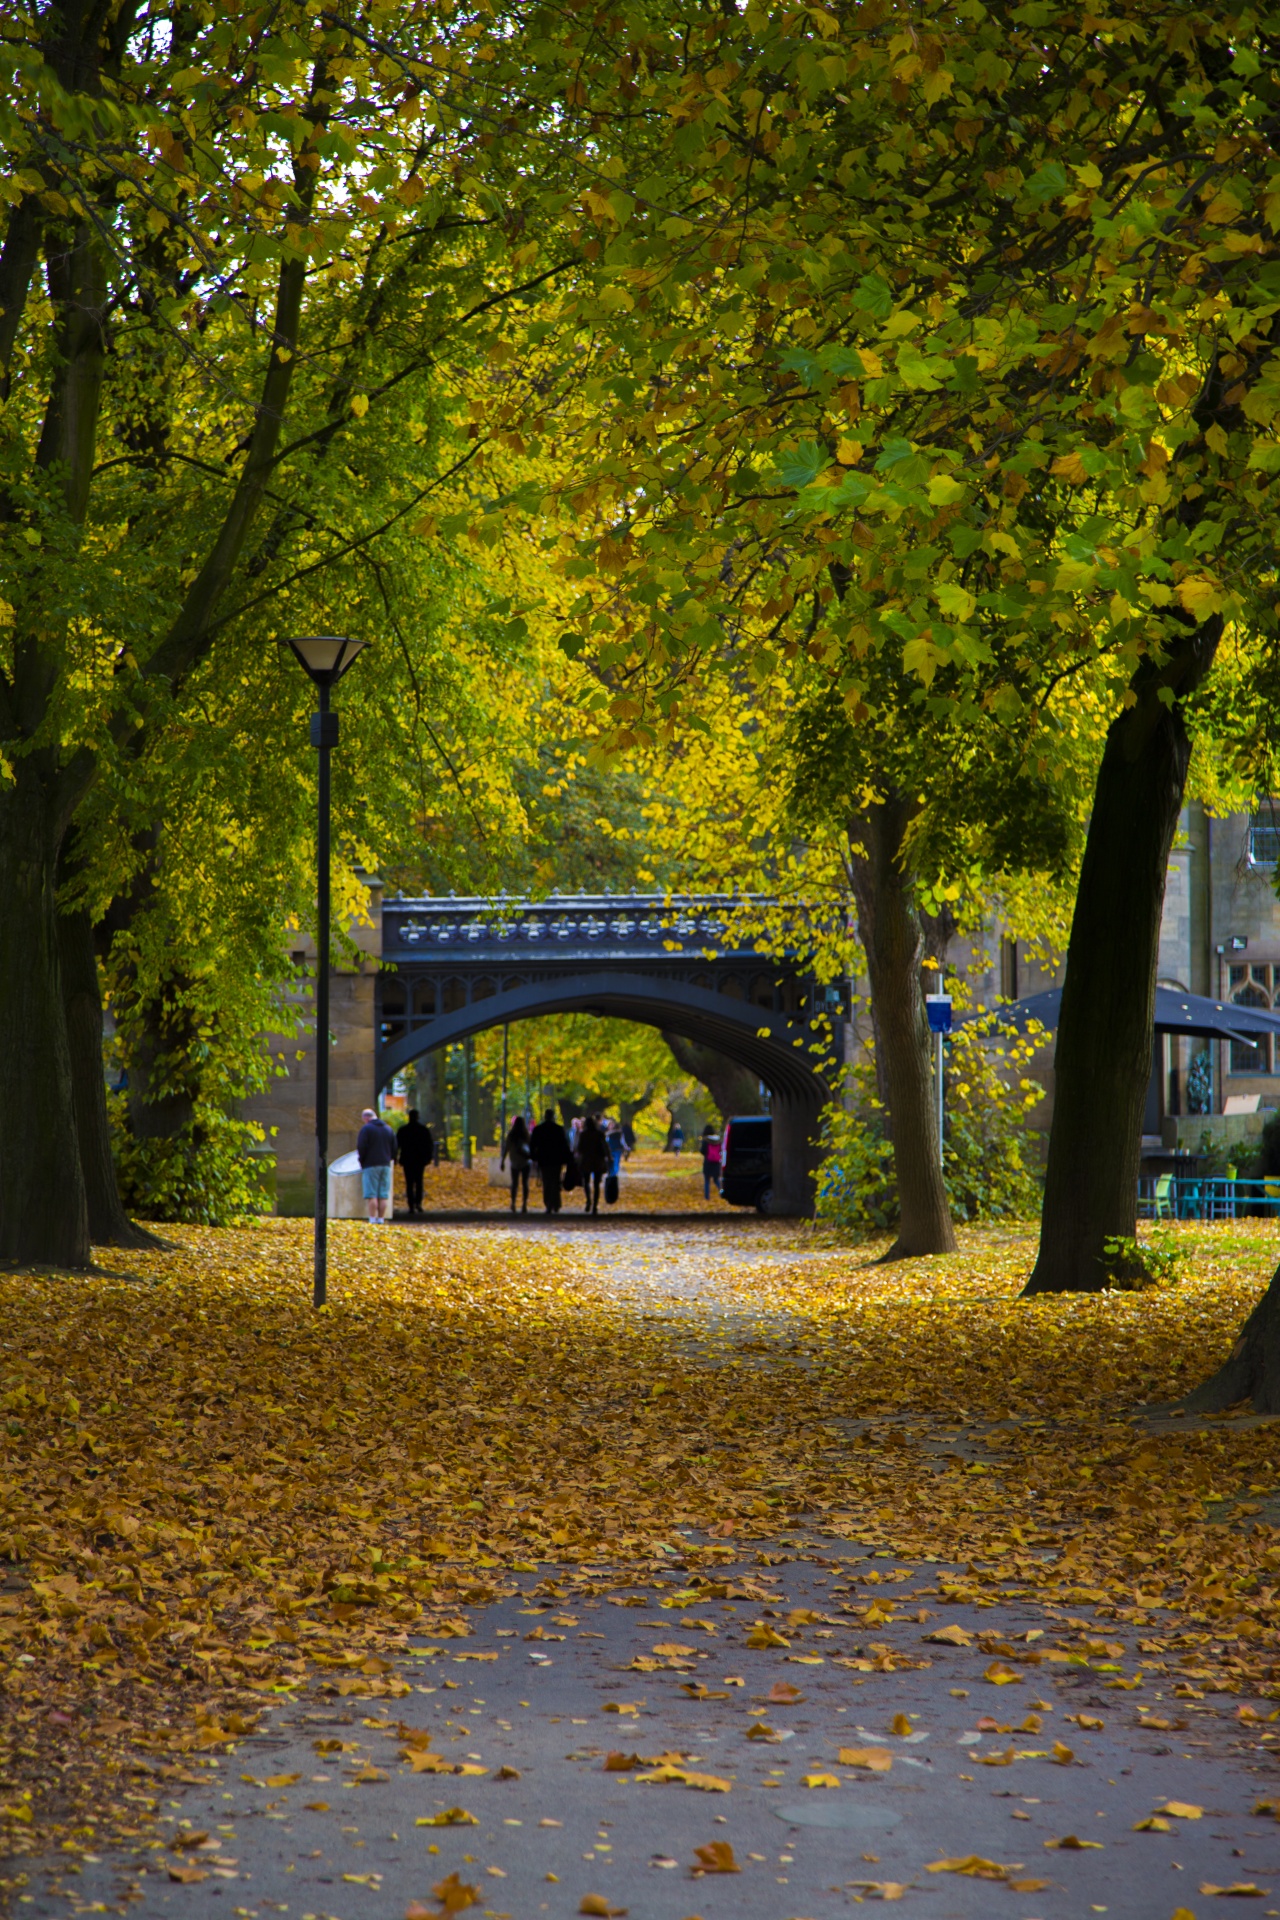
x=1176 y=1012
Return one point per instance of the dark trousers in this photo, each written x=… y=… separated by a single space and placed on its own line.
x=412 y=1187
x=591 y=1178
x=551 y=1189
x=519 y=1174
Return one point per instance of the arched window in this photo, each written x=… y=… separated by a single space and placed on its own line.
x=1252 y=986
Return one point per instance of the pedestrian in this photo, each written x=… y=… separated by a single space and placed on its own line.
x=710 y=1160
x=415 y=1150
x=593 y=1158
x=675 y=1138
x=549 y=1150
x=516 y=1149
x=376 y=1152
x=617 y=1146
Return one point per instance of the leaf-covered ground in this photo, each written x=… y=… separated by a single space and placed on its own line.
x=208 y=1493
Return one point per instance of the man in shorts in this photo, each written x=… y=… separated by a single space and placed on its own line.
x=376 y=1152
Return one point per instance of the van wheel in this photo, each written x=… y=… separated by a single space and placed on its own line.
x=764 y=1200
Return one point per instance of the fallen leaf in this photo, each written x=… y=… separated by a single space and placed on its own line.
x=316 y=1806
x=971 y=1864
x=820 y=1780
x=1062 y=1753
x=706 y=1782
x=1088 y=1721
x=870 y=1759
x=1242 y=1888
x=507 y=1773
x=188 y=1876
x=455 y=1895
x=1152 y=1824
x=1028 y=1886
x=783 y=1694
x=900 y=1724
x=1001 y=1675
x=621 y=1762
x=715 y=1857
x=1182 y=1810
x=622 y=1706
x=1069 y=1843
x=451 y=1817
x=762 y=1636
x=882 y=1889
x=670 y=1649
x=596 y=1904
x=953 y=1636
x=183 y=1842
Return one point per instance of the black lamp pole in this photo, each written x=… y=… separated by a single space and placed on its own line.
x=325 y=657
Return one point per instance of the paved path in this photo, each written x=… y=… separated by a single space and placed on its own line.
x=338 y=1807
x=547 y=1824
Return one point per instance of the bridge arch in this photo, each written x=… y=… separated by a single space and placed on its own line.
x=453 y=969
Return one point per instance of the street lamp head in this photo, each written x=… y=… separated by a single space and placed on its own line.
x=325 y=656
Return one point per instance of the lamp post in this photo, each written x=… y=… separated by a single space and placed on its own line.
x=325 y=657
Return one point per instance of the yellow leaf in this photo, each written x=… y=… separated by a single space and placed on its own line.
x=1070 y=1844
x=1070 y=467
x=971 y=1864
x=950 y=1636
x=284 y=1779
x=716 y=1857
x=762 y=1636
x=1000 y=1675
x=1152 y=1824
x=871 y=1759
x=1181 y=1810
x=820 y=1780
x=451 y=1817
x=1200 y=597
x=1245 y=1887
x=1062 y=1753
x=359 y=405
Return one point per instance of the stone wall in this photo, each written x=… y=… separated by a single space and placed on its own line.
x=287 y=1106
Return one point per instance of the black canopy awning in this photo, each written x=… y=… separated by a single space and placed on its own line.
x=1176 y=1012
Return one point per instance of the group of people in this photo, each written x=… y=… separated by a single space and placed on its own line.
x=589 y=1153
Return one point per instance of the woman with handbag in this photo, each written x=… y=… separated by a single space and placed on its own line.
x=593 y=1160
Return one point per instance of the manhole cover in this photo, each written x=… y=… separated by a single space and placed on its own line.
x=840 y=1813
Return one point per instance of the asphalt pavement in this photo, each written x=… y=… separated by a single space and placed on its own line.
x=1030 y=1764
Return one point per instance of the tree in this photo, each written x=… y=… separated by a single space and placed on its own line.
x=235 y=243
x=979 y=311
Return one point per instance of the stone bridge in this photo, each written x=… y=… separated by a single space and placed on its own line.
x=435 y=971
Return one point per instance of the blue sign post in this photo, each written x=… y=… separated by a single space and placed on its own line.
x=938 y=1008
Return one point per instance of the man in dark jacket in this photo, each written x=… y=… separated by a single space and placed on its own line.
x=549 y=1146
x=376 y=1152
x=415 y=1150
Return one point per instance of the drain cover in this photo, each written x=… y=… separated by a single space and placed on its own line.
x=857 y=1814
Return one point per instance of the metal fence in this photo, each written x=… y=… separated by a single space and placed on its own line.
x=1169 y=1196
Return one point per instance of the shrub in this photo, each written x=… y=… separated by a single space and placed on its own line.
x=203 y=1175
x=991 y=1151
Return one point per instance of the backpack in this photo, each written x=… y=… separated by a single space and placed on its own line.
x=610 y=1188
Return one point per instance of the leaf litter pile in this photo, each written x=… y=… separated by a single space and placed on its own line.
x=211 y=1496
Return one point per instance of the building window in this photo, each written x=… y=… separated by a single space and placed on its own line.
x=1264 y=836
x=1253 y=986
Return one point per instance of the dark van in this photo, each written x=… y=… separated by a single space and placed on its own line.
x=746 y=1161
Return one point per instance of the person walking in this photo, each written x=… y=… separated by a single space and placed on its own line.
x=549 y=1150
x=415 y=1150
x=376 y=1152
x=593 y=1159
x=710 y=1160
x=516 y=1150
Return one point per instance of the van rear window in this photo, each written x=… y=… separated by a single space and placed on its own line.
x=749 y=1133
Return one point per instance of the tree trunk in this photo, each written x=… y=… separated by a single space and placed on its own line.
x=733 y=1087
x=893 y=940
x=1103 y=1056
x=109 y=1224
x=43 y=1213
x=1252 y=1369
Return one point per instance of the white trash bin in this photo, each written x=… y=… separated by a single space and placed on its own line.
x=346 y=1196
